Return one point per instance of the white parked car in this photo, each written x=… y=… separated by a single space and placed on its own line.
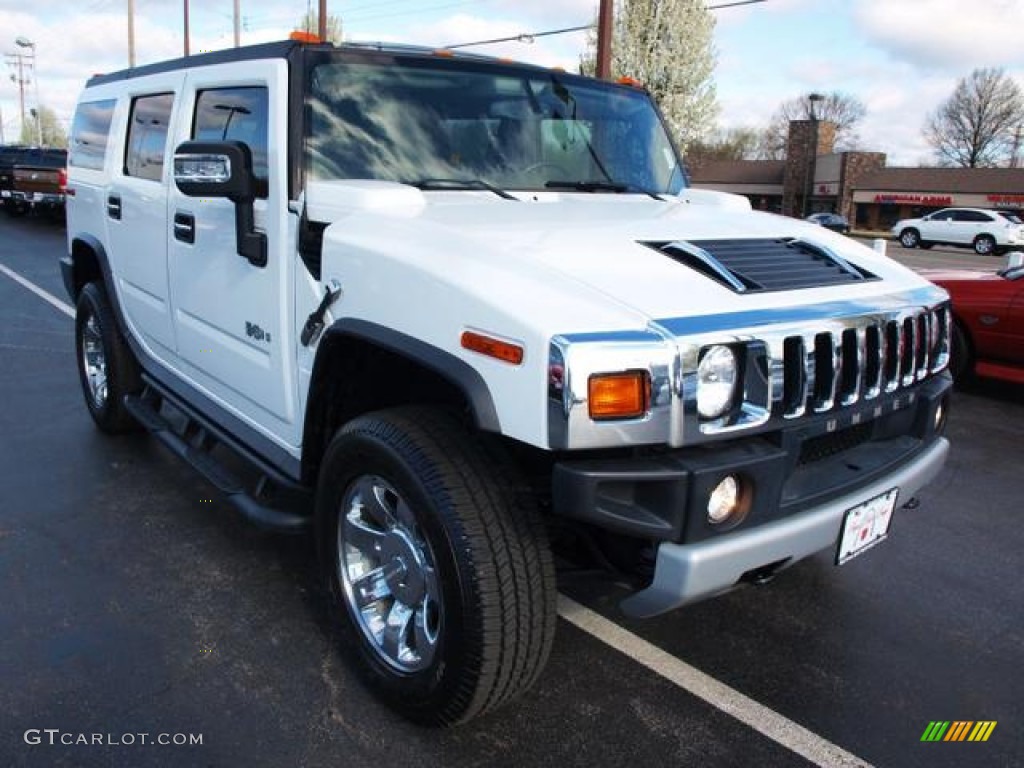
x=987 y=232
x=442 y=304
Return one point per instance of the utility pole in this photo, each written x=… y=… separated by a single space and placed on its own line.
x=186 y=29
x=238 y=24
x=605 y=17
x=17 y=61
x=131 y=34
x=322 y=22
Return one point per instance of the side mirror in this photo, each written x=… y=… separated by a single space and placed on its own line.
x=1014 y=260
x=224 y=169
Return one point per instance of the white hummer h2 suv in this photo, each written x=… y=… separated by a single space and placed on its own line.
x=448 y=308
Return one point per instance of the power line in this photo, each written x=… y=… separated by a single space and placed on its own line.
x=528 y=37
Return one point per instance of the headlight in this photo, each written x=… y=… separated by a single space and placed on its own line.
x=717 y=374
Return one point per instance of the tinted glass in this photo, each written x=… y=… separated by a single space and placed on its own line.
x=89 y=131
x=235 y=114
x=1011 y=217
x=147 y=136
x=942 y=216
x=513 y=128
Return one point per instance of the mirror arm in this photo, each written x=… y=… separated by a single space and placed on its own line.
x=252 y=245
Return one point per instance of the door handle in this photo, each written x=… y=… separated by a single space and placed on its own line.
x=185 y=227
x=114 y=207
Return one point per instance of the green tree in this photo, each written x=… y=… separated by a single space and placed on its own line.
x=978 y=126
x=53 y=133
x=667 y=45
x=844 y=110
x=310 y=22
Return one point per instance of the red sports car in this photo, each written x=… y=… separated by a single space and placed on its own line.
x=988 y=313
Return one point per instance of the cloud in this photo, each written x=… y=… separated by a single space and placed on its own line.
x=945 y=33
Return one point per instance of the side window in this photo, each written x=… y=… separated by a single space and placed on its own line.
x=236 y=114
x=147 y=136
x=943 y=216
x=89 y=132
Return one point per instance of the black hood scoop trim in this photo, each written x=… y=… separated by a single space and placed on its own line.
x=764 y=264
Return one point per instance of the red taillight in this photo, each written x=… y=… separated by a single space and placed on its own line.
x=62 y=179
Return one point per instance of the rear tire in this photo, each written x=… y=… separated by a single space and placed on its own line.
x=438 y=563
x=106 y=366
x=909 y=238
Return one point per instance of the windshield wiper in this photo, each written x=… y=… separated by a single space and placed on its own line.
x=456 y=184
x=599 y=186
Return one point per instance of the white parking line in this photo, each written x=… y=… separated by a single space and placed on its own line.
x=765 y=721
x=49 y=298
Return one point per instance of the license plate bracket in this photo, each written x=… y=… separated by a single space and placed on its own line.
x=866 y=525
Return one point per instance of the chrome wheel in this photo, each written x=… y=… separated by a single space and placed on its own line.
x=94 y=362
x=984 y=245
x=388 y=574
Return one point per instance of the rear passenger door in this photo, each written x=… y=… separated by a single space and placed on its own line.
x=234 y=330
x=938 y=227
x=135 y=206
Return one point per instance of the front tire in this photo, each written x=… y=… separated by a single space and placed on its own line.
x=985 y=245
x=438 y=562
x=961 y=363
x=107 y=369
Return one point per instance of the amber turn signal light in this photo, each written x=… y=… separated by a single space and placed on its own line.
x=618 y=395
x=496 y=348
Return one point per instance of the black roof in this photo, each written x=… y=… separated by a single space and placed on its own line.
x=276 y=50
x=283 y=49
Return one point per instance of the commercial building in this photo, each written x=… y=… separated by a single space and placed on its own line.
x=857 y=185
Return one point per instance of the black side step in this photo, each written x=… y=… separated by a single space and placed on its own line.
x=195 y=444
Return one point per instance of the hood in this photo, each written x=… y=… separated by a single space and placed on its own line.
x=612 y=243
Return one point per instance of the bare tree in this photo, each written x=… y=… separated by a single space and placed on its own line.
x=844 y=110
x=667 y=45
x=733 y=144
x=977 y=126
x=311 y=23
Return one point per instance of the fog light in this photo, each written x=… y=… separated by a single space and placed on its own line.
x=725 y=500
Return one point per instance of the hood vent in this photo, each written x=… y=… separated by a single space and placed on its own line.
x=751 y=266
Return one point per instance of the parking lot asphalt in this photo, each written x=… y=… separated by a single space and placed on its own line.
x=134 y=601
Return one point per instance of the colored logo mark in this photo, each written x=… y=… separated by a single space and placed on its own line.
x=958 y=730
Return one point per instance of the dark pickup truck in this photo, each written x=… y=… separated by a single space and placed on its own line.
x=32 y=178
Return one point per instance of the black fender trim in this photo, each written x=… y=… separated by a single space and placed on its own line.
x=461 y=375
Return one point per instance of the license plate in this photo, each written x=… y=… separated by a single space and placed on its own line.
x=866 y=525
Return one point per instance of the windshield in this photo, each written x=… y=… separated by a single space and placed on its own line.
x=436 y=122
x=1010 y=216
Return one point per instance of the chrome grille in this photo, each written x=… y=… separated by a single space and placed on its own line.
x=819 y=371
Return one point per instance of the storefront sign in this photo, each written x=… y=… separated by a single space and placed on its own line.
x=915 y=199
x=1006 y=199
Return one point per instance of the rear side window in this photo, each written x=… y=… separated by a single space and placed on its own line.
x=89 y=132
x=236 y=114
x=147 y=136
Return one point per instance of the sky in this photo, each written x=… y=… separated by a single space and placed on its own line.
x=901 y=58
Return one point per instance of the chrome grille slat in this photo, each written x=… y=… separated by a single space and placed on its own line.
x=839 y=367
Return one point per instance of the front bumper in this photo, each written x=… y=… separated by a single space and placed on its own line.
x=686 y=573
x=801 y=480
